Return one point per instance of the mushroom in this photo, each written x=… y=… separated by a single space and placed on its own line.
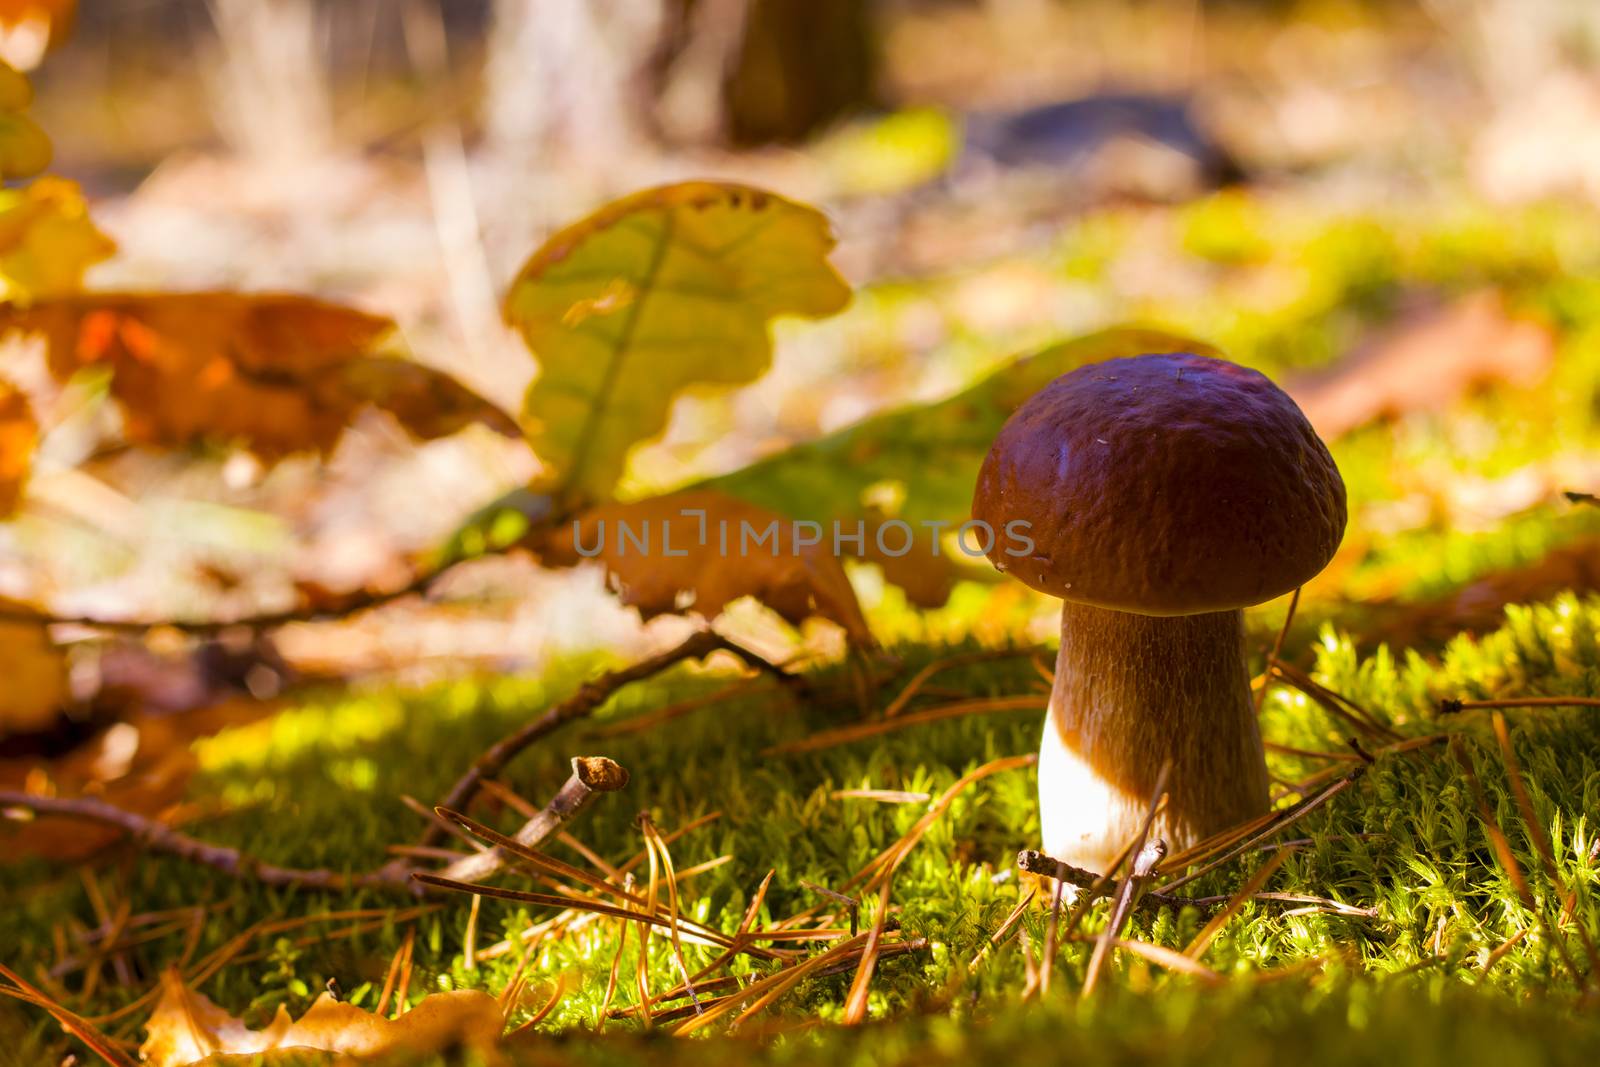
x=1157 y=496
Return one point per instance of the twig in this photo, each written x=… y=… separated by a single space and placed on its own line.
x=962 y=659
x=349 y=604
x=1541 y=840
x=1288 y=818
x=590 y=775
x=1508 y=860
x=853 y=904
x=861 y=731
x=161 y=838
x=1451 y=706
x=585 y=702
x=1277 y=650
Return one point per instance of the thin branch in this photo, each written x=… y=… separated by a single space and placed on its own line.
x=585 y=702
x=590 y=775
x=159 y=837
x=1450 y=706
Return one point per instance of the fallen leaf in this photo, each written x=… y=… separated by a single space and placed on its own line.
x=47 y=240
x=141 y=764
x=1479 y=606
x=187 y=1028
x=277 y=373
x=660 y=290
x=700 y=550
x=924 y=458
x=35 y=673
x=24 y=148
x=1426 y=362
x=19 y=435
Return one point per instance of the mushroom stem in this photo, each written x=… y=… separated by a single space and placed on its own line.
x=1131 y=692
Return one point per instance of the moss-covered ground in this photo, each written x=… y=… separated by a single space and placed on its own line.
x=1433 y=972
x=1433 y=954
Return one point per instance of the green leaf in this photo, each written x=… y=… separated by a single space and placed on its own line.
x=919 y=464
x=666 y=288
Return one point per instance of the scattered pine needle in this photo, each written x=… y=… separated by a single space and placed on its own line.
x=1277 y=651
x=855 y=1006
x=1252 y=885
x=861 y=731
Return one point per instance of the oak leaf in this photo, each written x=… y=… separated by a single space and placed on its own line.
x=700 y=550
x=24 y=148
x=34 y=668
x=47 y=240
x=19 y=435
x=187 y=1028
x=1425 y=362
x=658 y=291
x=276 y=373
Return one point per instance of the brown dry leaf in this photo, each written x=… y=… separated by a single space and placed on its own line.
x=1479 y=606
x=19 y=435
x=142 y=764
x=187 y=1028
x=686 y=565
x=1427 y=362
x=279 y=373
x=35 y=673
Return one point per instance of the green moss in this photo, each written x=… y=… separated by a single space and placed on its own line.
x=320 y=785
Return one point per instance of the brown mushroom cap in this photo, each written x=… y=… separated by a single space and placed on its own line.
x=1161 y=485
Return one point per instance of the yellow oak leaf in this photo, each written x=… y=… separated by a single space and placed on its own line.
x=19 y=435
x=658 y=291
x=47 y=240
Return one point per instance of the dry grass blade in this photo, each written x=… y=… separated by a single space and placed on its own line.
x=650 y=720
x=544 y=1011
x=855 y=1005
x=881 y=867
x=1541 y=840
x=1502 y=848
x=1144 y=861
x=1052 y=936
x=938 y=666
x=1280 y=822
x=695 y=931
x=1165 y=957
x=1277 y=650
x=769 y=990
x=1252 y=885
x=687 y=828
x=861 y=731
x=1453 y=707
x=652 y=838
x=532 y=857
x=1502 y=949
x=70 y=1021
x=885 y=796
x=1336 y=704
x=1004 y=930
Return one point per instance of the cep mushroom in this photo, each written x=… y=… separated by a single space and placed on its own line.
x=1157 y=496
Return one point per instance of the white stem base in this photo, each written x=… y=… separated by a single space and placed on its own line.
x=1132 y=692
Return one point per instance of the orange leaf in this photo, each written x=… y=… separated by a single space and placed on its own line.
x=19 y=435
x=35 y=673
x=186 y=1027
x=276 y=373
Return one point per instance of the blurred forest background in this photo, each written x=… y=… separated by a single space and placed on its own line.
x=1388 y=207
x=1002 y=174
